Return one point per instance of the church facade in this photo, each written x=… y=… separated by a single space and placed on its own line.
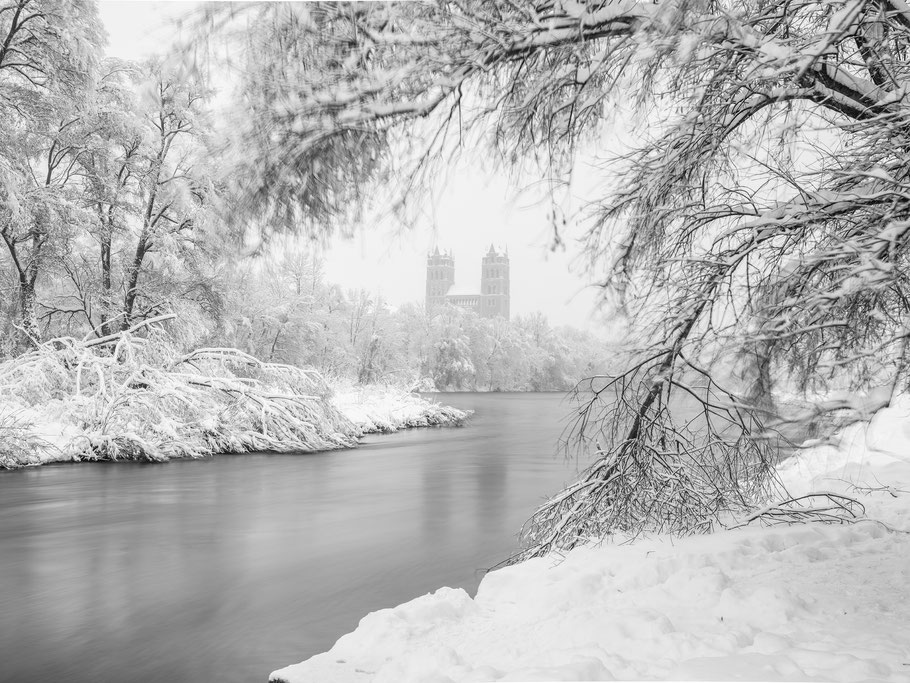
x=492 y=300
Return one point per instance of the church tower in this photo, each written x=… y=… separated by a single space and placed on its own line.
x=494 y=284
x=440 y=278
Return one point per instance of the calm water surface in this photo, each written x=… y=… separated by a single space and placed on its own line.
x=226 y=569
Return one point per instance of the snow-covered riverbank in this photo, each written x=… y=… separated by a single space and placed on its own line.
x=144 y=400
x=385 y=409
x=800 y=602
x=41 y=436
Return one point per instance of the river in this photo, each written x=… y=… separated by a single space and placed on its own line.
x=228 y=568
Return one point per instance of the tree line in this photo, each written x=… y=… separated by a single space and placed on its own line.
x=282 y=309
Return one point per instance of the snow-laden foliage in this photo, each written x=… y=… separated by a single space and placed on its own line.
x=49 y=53
x=133 y=397
x=19 y=445
x=104 y=195
x=756 y=230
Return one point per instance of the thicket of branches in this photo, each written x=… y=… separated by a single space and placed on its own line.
x=756 y=234
x=131 y=396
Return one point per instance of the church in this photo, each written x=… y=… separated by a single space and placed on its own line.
x=493 y=299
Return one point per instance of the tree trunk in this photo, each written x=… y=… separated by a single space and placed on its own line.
x=28 y=310
x=759 y=385
x=106 y=298
x=275 y=344
x=28 y=301
x=132 y=283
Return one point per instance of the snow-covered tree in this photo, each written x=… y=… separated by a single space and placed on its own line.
x=758 y=229
x=49 y=53
x=144 y=248
x=173 y=187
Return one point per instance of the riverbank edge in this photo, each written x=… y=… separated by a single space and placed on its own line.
x=370 y=409
x=384 y=410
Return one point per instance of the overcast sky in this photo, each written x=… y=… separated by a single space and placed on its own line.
x=473 y=210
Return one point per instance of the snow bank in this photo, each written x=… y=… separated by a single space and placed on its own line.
x=388 y=409
x=802 y=602
x=855 y=454
x=138 y=398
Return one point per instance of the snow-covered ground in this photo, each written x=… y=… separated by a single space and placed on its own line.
x=384 y=409
x=802 y=602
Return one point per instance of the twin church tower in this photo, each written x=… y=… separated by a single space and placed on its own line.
x=493 y=299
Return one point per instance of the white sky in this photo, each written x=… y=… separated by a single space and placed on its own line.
x=474 y=209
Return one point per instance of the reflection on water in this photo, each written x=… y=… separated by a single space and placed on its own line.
x=225 y=569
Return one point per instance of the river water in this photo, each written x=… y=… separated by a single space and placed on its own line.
x=228 y=568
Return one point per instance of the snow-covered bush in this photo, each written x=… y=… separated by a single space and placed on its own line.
x=139 y=398
x=19 y=444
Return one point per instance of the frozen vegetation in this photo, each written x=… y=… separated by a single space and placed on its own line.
x=774 y=599
x=130 y=397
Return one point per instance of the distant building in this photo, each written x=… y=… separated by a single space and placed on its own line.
x=493 y=299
